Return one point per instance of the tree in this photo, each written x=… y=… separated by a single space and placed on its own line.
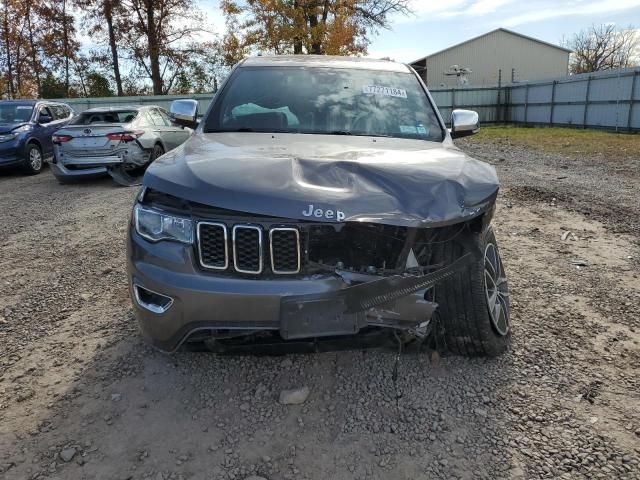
x=98 y=85
x=138 y=47
x=8 y=39
x=603 y=47
x=160 y=34
x=102 y=20
x=53 y=87
x=34 y=46
x=332 y=27
x=20 y=62
x=58 y=42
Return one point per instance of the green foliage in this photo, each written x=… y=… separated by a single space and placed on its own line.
x=98 y=85
x=52 y=87
x=331 y=27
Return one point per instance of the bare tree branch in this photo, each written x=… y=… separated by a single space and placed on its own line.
x=602 y=47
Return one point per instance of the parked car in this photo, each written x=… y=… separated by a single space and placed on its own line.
x=26 y=127
x=119 y=141
x=319 y=197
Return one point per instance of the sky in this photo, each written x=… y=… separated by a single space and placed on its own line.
x=438 y=24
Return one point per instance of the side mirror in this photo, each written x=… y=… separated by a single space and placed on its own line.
x=184 y=112
x=43 y=118
x=464 y=123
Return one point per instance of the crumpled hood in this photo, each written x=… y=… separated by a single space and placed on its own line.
x=9 y=127
x=328 y=178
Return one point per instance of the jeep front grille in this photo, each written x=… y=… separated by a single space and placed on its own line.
x=247 y=249
x=213 y=245
x=284 y=244
x=242 y=248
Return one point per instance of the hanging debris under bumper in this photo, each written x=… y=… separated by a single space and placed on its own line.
x=348 y=310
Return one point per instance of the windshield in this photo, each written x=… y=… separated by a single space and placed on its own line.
x=119 y=116
x=12 y=113
x=325 y=101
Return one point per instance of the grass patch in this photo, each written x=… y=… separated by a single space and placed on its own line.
x=572 y=142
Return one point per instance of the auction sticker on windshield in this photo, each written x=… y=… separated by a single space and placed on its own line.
x=386 y=91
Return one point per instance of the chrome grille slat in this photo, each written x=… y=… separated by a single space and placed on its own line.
x=284 y=247
x=247 y=249
x=213 y=246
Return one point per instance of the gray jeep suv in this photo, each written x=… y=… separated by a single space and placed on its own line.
x=319 y=197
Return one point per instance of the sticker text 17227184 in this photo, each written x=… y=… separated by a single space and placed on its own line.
x=386 y=91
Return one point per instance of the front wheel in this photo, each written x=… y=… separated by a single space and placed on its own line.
x=33 y=161
x=474 y=304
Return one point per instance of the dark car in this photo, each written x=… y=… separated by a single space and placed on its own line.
x=319 y=197
x=26 y=128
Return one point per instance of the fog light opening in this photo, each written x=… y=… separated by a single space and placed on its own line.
x=152 y=301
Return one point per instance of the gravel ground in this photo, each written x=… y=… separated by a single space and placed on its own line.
x=605 y=189
x=81 y=397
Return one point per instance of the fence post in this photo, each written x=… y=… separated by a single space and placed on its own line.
x=586 y=103
x=506 y=112
x=553 y=100
x=499 y=95
x=453 y=99
x=618 y=101
x=526 y=104
x=631 y=101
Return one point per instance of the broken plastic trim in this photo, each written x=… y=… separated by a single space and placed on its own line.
x=345 y=311
x=122 y=177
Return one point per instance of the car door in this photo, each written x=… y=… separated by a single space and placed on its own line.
x=178 y=133
x=44 y=131
x=64 y=114
x=161 y=128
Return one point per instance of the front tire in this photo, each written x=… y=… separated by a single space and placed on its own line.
x=33 y=161
x=474 y=304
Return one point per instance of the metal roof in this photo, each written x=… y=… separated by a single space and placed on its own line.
x=489 y=33
x=320 y=61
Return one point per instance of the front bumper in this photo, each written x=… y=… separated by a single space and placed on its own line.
x=11 y=153
x=302 y=307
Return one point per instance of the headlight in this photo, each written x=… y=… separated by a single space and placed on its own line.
x=22 y=129
x=7 y=137
x=156 y=226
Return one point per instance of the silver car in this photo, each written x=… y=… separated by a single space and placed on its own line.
x=119 y=141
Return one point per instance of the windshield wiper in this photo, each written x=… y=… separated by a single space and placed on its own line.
x=248 y=129
x=364 y=134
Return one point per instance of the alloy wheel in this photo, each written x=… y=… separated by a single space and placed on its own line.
x=35 y=159
x=496 y=290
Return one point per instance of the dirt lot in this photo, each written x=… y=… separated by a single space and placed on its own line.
x=81 y=397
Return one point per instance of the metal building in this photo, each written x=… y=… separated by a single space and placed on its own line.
x=482 y=60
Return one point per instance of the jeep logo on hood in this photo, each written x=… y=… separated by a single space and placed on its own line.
x=320 y=213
